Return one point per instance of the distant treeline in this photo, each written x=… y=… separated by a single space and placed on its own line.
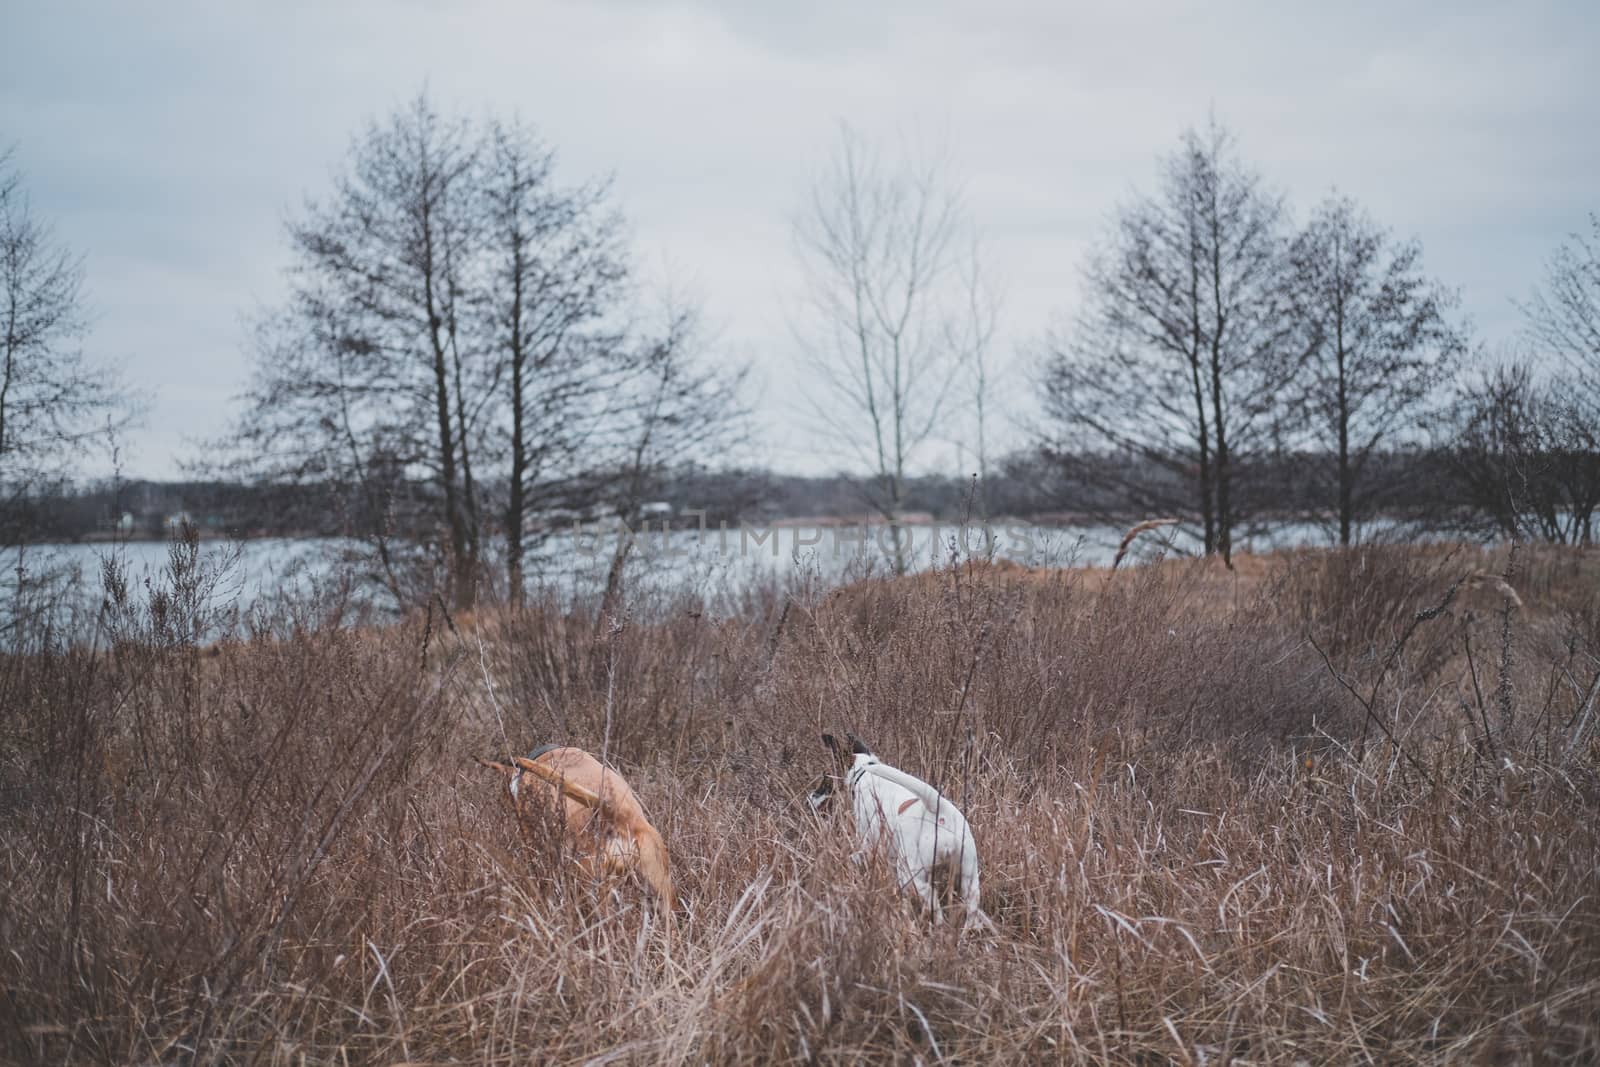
x=1425 y=492
x=143 y=510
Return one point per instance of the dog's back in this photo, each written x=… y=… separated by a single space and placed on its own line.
x=881 y=796
x=923 y=827
x=603 y=816
x=583 y=770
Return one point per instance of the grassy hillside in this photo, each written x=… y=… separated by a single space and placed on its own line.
x=1272 y=814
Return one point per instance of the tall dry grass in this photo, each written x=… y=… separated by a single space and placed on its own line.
x=1266 y=815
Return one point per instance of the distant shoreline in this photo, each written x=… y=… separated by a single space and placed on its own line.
x=681 y=523
x=152 y=539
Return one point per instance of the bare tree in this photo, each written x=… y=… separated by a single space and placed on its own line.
x=877 y=242
x=1524 y=456
x=1172 y=372
x=369 y=373
x=54 y=402
x=557 y=273
x=56 y=405
x=457 y=354
x=1379 y=341
x=1564 y=317
x=676 y=408
x=973 y=332
x=1525 y=453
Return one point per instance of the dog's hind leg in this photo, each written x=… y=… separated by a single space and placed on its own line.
x=970 y=894
x=920 y=882
x=970 y=891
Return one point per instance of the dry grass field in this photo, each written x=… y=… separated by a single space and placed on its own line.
x=1325 y=807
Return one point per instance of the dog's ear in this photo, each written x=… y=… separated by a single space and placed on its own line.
x=833 y=745
x=821 y=794
x=857 y=746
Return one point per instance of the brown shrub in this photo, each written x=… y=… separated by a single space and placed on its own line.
x=279 y=851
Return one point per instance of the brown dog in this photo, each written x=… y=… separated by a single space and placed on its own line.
x=606 y=823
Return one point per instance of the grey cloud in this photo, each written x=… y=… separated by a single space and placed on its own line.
x=168 y=142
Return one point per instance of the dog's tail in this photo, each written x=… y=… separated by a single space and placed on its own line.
x=587 y=797
x=923 y=791
x=1127 y=538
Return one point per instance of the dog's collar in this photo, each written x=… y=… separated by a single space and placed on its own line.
x=541 y=750
x=856 y=775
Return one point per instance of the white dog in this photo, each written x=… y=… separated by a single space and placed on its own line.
x=923 y=829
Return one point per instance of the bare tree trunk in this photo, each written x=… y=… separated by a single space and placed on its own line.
x=1341 y=385
x=897 y=499
x=460 y=579
x=983 y=453
x=1346 y=475
x=467 y=589
x=5 y=390
x=515 y=504
x=1208 y=516
x=1219 y=326
x=447 y=458
x=975 y=339
x=614 y=574
x=1224 y=474
x=896 y=530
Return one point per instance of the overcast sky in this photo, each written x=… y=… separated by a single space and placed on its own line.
x=168 y=141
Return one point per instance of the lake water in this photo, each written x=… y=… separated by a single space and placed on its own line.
x=719 y=565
